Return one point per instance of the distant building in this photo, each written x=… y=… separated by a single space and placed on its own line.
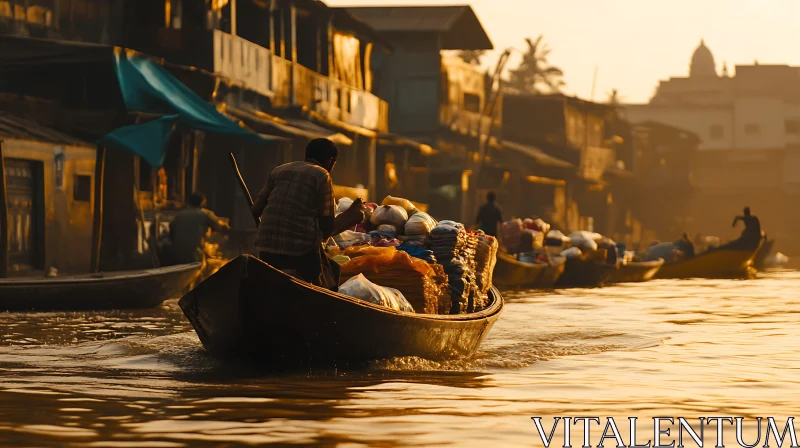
x=570 y=130
x=749 y=126
x=437 y=100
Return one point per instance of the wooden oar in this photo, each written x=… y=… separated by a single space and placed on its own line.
x=243 y=186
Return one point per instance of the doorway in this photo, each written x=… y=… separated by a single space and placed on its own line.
x=25 y=191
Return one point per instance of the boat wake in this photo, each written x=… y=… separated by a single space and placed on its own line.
x=503 y=353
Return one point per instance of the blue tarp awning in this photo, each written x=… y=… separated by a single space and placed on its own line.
x=148 y=87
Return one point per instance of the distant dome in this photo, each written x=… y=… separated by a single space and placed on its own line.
x=702 y=62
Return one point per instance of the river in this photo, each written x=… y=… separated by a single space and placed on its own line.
x=665 y=348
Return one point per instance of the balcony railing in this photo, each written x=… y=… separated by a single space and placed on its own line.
x=243 y=62
x=289 y=84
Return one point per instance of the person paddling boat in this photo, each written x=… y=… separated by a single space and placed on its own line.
x=296 y=208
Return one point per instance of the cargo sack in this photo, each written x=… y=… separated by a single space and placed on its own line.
x=390 y=214
x=363 y=289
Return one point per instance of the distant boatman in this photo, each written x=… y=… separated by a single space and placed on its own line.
x=489 y=215
x=751 y=235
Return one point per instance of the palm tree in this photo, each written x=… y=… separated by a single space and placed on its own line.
x=534 y=75
x=471 y=56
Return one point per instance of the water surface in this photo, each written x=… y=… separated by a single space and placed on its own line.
x=664 y=348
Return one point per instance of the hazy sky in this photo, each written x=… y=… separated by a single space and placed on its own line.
x=635 y=43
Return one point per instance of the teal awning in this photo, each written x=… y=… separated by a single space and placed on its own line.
x=148 y=87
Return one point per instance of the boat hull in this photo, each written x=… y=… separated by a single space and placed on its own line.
x=579 y=273
x=252 y=310
x=109 y=290
x=636 y=272
x=759 y=261
x=721 y=263
x=552 y=272
x=511 y=273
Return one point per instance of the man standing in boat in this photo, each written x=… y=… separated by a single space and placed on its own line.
x=189 y=227
x=296 y=208
x=489 y=215
x=752 y=226
x=751 y=235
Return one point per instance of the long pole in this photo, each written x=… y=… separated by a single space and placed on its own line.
x=243 y=186
x=97 y=228
x=3 y=218
x=594 y=82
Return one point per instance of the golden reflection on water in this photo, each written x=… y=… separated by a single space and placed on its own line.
x=665 y=348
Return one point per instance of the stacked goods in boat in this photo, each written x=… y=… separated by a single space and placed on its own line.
x=455 y=248
x=420 y=282
x=435 y=266
x=485 y=260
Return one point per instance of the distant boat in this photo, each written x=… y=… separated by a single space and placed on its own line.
x=512 y=273
x=760 y=260
x=553 y=271
x=635 y=272
x=727 y=261
x=585 y=273
x=105 y=290
x=250 y=309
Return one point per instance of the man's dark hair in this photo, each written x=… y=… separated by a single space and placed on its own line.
x=490 y=196
x=321 y=149
x=747 y=211
x=197 y=199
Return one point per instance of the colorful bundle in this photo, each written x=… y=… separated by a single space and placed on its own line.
x=485 y=259
x=512 y=231
x=455 y=249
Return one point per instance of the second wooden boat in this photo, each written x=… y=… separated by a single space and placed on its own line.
x=105 y=290
x=250 y=309
x=512 y=273
x=582 y=273
x=552 y=272
x=635 y=272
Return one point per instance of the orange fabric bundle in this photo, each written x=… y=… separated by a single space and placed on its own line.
x=385 y=253
x=377 y=259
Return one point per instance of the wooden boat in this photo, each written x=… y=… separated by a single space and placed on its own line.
x=723 y=262
x=552 y=273
x=250 y=309
x=105 y=290
x=759 y=261
x=583 y=273
x=512 y=273
x=634 y=272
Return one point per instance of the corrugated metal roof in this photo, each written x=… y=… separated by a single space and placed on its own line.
x=460 y=27
x=13 y=127
x=410 y=18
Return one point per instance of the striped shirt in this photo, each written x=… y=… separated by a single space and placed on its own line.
x=298 y=194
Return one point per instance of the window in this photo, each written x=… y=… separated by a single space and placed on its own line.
x=793 y=126
x=472 y=102
x=83 y=188
x=752 y=129
x=717 y=132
